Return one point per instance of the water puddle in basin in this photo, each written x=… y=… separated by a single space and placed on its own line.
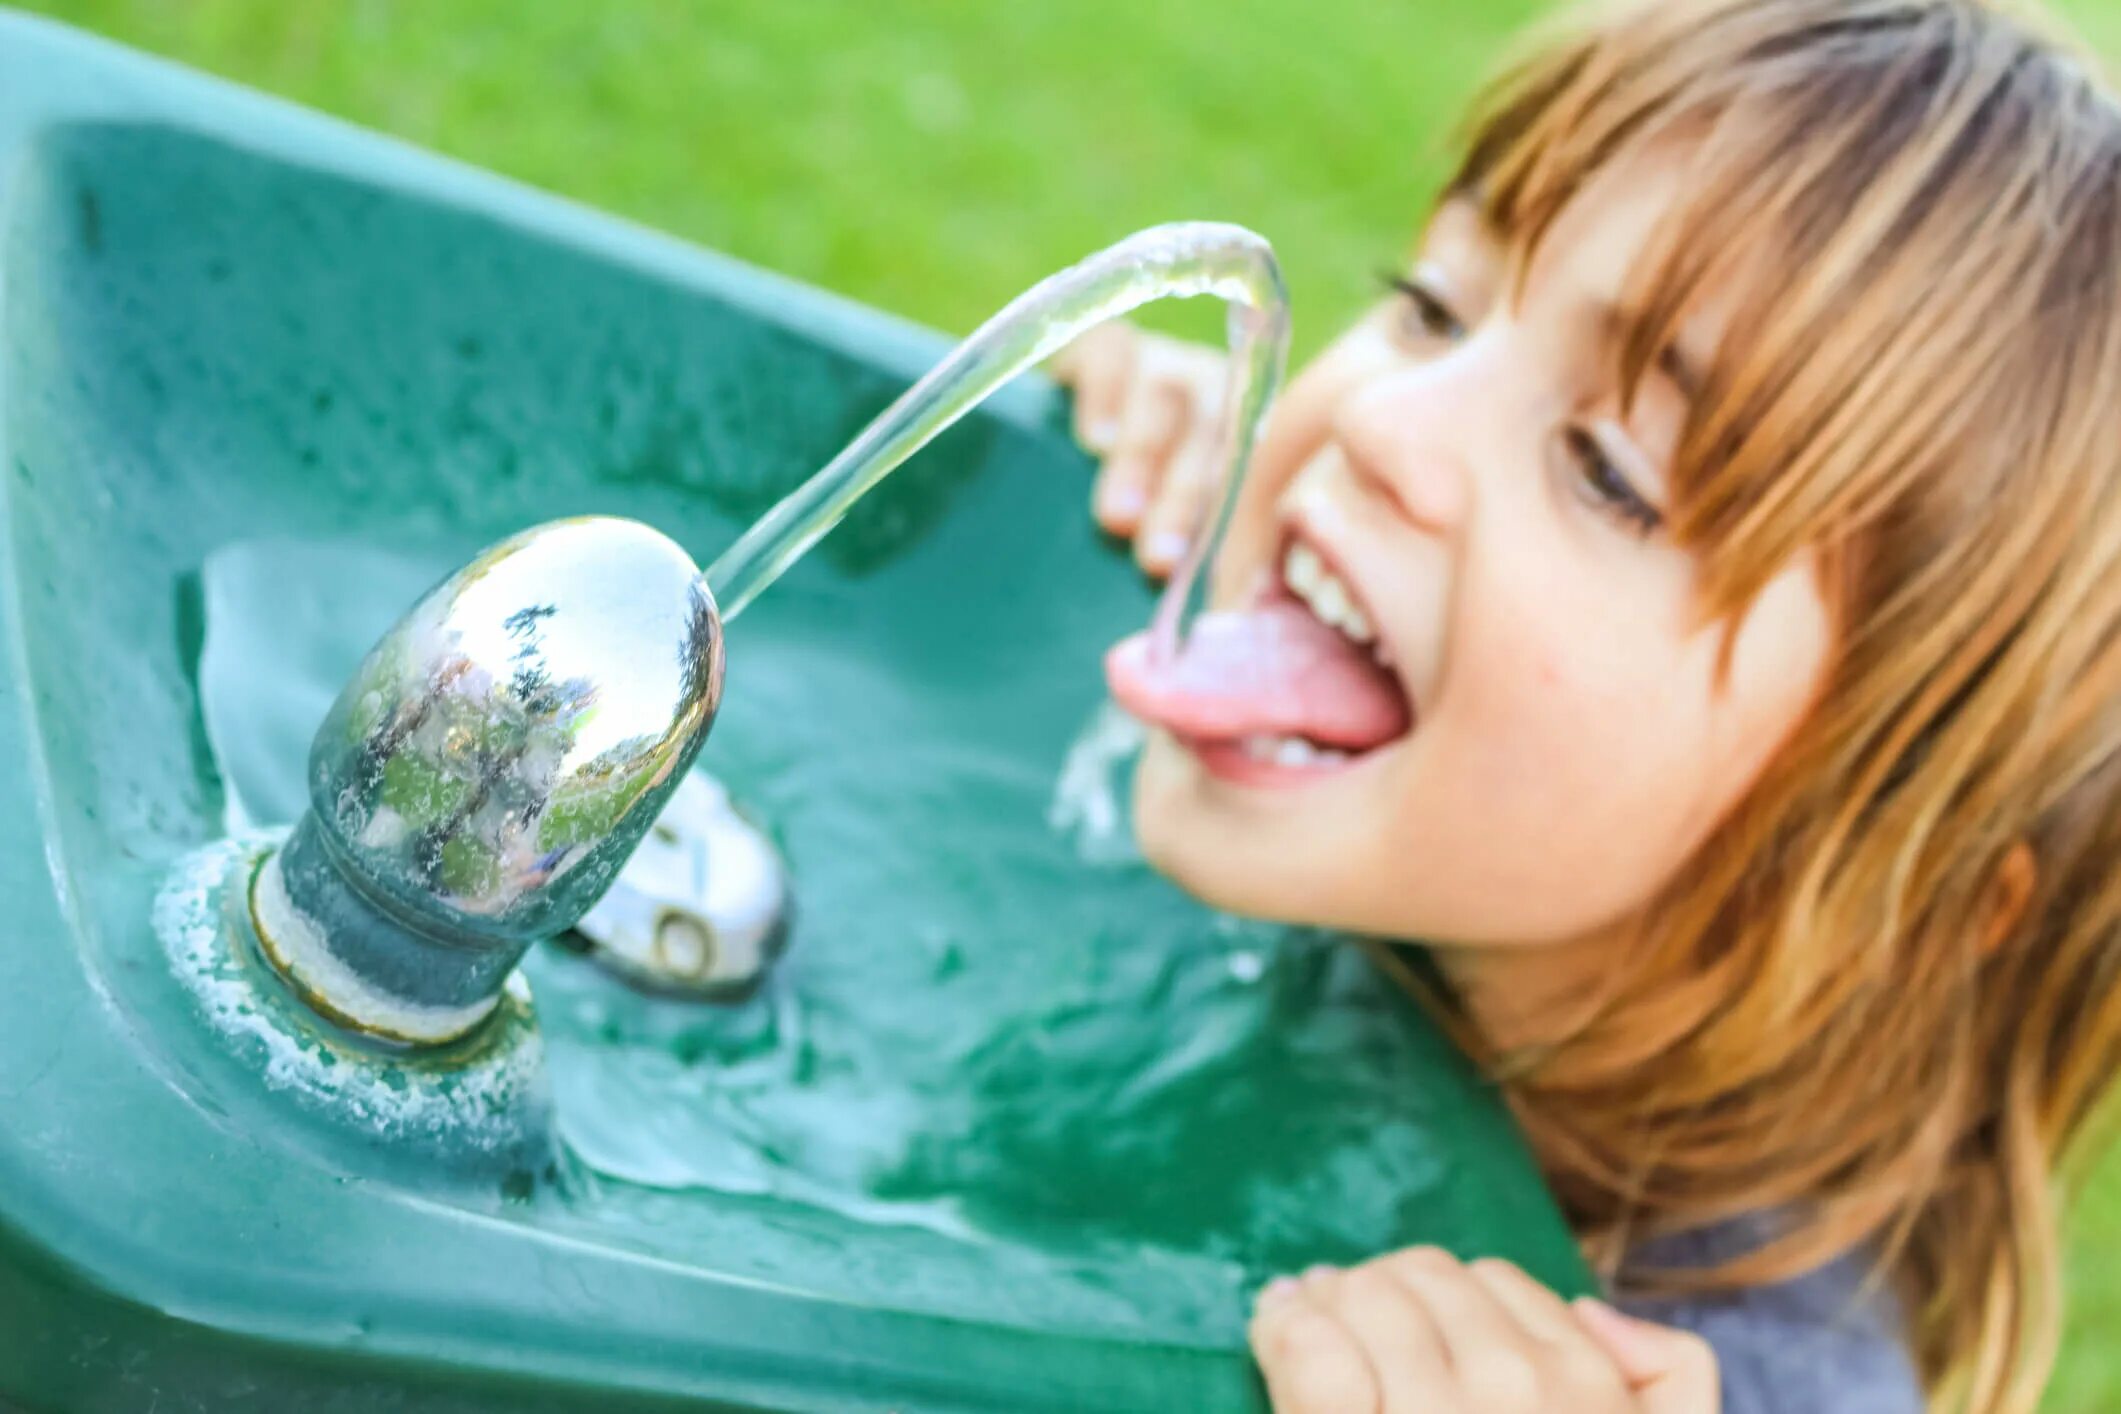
x=1073 y=1096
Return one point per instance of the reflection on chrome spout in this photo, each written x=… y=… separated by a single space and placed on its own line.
x=488 y=770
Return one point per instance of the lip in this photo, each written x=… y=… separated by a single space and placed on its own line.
x=1229 y=761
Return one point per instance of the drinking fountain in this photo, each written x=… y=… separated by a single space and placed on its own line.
x=344 y=481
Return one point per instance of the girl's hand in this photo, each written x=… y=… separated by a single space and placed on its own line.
x=1421 y=1331
x=1149 y=409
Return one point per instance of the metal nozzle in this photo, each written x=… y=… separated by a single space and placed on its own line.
x=481 y=780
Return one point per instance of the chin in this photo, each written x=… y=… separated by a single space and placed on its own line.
x=1257 y=857
x=1182 y=835
x=1193 y=830
x=1168 y=821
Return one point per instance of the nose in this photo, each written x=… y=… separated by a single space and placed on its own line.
x=1414 y=432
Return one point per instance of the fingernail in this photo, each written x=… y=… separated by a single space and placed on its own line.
x=1101 y=435
x=1165 y=548
x=1124 y=500
x=1278 y=1290
x=1321 y=1271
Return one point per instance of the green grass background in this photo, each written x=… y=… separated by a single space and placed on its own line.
x=934 y=156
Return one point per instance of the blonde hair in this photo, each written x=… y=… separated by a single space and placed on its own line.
x=1882 y=1000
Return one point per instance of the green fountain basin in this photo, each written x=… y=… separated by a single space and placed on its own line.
x=1015 y=1126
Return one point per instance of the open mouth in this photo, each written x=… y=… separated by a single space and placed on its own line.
x=1295 y=684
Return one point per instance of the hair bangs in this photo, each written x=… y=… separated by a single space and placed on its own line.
x=1818 y=159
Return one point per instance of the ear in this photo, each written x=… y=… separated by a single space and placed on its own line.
x=2008 y=893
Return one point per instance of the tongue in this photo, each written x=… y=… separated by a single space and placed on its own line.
x=1273 y=670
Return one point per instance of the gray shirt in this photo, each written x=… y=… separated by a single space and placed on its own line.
x=1818 y=1344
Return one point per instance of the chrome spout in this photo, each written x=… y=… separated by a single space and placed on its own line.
x=481 y=780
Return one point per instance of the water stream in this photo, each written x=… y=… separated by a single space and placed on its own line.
x=1181 y=260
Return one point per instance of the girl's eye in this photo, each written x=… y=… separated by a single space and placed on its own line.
x=1432 y=315
x=1605 y=486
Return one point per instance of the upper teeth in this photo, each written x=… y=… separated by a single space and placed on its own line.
x=1319 y=588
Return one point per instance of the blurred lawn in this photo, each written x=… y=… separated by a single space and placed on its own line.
x=935 y=156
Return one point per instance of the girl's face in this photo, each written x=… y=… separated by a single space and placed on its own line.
x=1549 y=739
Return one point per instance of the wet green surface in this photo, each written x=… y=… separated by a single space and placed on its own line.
x=1039 y=1084
x=1015 y=1126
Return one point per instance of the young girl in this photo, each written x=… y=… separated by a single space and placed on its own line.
x=1691 y=604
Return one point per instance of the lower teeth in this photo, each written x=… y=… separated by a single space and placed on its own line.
x=1291 y=751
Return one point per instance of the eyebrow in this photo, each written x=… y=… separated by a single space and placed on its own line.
x=1674 y=362
x=1457 y=206
x=1684 y=372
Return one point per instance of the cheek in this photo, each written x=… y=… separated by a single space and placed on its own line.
x=1598 y=737
x=1587 y=757
x=1568 y=780
x=1780 y=658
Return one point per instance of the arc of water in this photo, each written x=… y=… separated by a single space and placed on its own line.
x=1181 y=260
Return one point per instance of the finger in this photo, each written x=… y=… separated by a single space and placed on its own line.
x=1150 y=427
x=1496 y=1361
x=1572 y=1358
x=1100 y=367
x=1312 y=1363
x=1183 y=502
x=1078 y=354
x=1405 y=1351
x=1531 y=1302
x=1671 y=1371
